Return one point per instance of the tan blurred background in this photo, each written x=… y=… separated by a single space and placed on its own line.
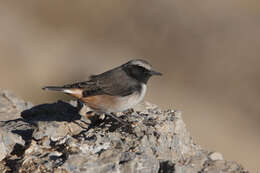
x=208 y=51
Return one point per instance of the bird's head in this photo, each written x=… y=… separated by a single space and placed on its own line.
x=140 y=70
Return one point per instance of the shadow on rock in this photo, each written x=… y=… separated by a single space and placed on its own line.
x=107 y=124
x=60 y=111
x=20 y=127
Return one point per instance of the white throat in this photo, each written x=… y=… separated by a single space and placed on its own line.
x=142 y=94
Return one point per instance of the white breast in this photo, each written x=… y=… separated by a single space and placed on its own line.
x=130 y=101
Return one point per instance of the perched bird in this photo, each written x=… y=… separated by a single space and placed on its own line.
x=113 y=91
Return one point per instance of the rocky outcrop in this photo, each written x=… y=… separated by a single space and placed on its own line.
x=55 y=138
x=11 y=106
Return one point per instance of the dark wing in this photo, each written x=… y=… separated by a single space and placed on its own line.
x=114 y=82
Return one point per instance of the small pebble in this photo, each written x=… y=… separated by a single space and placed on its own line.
x=216 y=156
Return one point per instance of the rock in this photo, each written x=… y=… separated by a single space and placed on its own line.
x=7 y=142
x=11 y=106
x=56 y=138
x=222 y=166
x=216 y=156
x=20 y=127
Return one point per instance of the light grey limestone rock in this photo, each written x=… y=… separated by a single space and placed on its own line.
x=11 y=106
x=216 y=156
x=7 y=142
x=56 y=138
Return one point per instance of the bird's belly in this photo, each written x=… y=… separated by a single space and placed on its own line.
x=107 y=103
x=127 y=102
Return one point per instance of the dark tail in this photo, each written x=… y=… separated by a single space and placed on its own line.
x=54 y=88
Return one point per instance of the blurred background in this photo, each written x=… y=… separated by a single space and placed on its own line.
x=207 y=50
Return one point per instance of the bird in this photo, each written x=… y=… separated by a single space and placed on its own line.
x=115 y=90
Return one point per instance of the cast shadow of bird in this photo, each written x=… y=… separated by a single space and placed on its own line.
x=62 y=111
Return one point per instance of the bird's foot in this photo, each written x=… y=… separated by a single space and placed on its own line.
x=128 y=111
x=118 y=119
x=83 y=110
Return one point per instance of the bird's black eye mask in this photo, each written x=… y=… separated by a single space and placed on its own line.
x=139 y=73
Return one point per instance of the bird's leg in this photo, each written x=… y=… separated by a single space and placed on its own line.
x=118 y=119
x=83 y=110
x=128 y=111
x=79 y=105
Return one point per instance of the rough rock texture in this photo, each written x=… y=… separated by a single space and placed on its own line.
x=11 y=106
x=55 y=138
x=7 y=142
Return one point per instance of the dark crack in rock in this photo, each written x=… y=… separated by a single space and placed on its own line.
x=166 y=167
x=56 y=138
x=7 y=142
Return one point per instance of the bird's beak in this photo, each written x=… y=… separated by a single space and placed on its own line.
x=152 y=72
